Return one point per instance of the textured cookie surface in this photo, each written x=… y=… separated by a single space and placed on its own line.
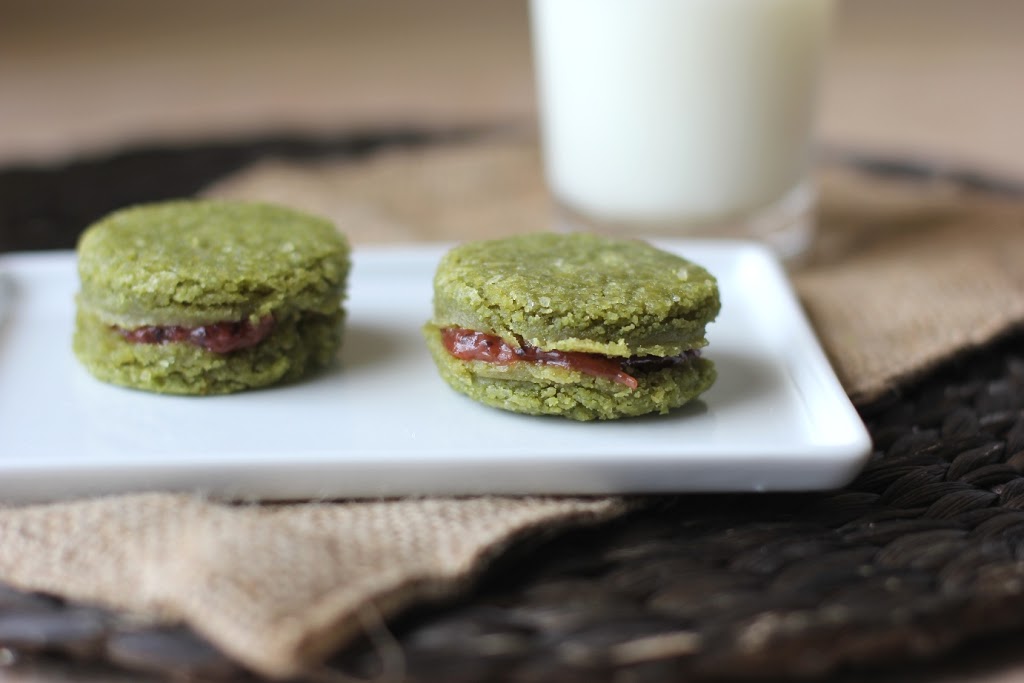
x=195 y=262
x=189 y=264
x=619 y=301
x=577 y=292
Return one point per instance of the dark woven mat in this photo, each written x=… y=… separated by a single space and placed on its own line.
x=924 y=551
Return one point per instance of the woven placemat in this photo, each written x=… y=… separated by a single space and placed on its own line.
x=919 y=554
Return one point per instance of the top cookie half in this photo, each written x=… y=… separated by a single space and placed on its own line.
x=197 y=262
x=577 y=292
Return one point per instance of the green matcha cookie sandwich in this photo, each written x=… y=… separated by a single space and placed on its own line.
x=576 y=325
x=209 y=297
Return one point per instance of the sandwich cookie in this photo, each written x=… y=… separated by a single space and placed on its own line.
x=209 y=297
x=576 y=325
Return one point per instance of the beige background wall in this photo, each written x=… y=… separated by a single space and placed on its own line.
x=942 y=79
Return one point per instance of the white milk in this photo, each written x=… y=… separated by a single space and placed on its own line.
x=676 y=111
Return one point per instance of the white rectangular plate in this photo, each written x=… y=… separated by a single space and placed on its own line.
x=382 y=423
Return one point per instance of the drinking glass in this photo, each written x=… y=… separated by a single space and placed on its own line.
x=681 y=117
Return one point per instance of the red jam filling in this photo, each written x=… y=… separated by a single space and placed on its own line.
x=470 y=345
x=216 y=337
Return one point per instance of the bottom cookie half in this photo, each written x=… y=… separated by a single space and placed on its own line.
x=296 y=345
x=539 y=389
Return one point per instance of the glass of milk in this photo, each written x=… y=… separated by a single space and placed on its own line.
x=681 y=117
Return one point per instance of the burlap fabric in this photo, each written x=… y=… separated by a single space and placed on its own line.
x=904 y=274
x=905 y=277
